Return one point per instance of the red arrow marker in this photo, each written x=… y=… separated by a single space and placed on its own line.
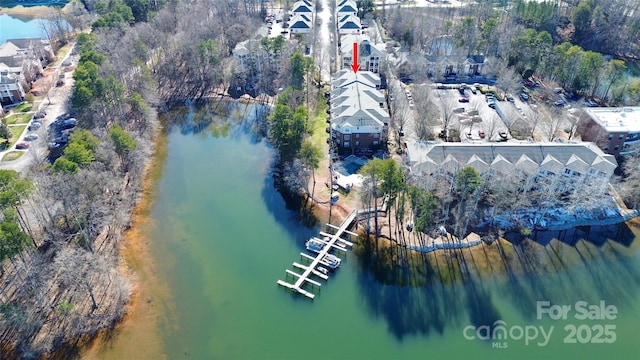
x=355 y=66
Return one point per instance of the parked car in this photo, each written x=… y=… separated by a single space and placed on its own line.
x=590 y=103
x=503 y=135
x=31 y=137
x=481 y=134
x=524 y=97
x=509 y=97
x=34 y=126
x=559 y=102
x=473 y=90
x=461 y=90
x=557 y=90
x=463 y=100
x=40 y=114
x=469 y=136
x=69 y=123
x=22 y=145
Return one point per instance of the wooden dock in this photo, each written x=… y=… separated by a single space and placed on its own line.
x=334 y=242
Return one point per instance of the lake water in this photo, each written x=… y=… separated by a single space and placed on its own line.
x=221 y=236
x=16 y=27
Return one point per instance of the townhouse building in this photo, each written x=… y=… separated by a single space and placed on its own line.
x=546 y=167
x=358 y=116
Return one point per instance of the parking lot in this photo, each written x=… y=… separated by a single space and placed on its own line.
x=475 y=116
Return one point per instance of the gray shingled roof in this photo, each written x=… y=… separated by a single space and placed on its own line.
x=477 y=163
x=577 y=164
x=501 y=165
x=526 y=164
x=550 y=163
x=550 y=156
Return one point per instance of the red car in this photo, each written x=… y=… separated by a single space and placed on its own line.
x=463 y=100
x=22 y=145
x=481 y=134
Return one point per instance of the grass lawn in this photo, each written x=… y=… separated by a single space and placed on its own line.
x=17 y=119
x=13 y=155
x=24 y=107
x=17 y=131
x=318 y=122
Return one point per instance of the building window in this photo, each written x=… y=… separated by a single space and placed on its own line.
x=376 y=135
x=620 y=137
x=375 y=142
x=357 y=136
x=346 y=144
x=567 y=171
x=615 y=148
x=610 y=137
x=357 y=143
x=347 y=138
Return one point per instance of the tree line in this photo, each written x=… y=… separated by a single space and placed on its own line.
x=584 y=45
x=62 y=224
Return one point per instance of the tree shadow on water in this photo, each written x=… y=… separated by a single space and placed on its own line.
x=424 y=300
x=450 y=290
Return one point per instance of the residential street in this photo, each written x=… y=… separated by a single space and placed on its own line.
x=54 y=106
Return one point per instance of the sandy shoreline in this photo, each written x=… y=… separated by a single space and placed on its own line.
x=137 y=332
x=27 y=11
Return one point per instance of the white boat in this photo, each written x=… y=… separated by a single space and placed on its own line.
x=322 y=270
x=315 y=245
x=331 y=261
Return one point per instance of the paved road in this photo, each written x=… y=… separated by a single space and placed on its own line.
x=37 y=149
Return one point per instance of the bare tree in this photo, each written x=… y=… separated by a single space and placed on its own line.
x=447 y=106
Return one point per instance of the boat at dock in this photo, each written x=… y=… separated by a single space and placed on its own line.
x=315 y=245
x=332 y=261
x=328 y=261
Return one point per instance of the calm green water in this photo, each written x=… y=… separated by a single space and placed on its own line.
x=224 y=236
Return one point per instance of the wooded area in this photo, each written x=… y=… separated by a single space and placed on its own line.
x=62 y=226
x=586 y=46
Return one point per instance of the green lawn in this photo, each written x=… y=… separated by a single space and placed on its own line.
x=21 y=118
x=13 y=155
x=17 y=131
x=24 y=107
x=318 y=122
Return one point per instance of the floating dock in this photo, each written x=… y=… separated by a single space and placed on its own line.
x=335 y=241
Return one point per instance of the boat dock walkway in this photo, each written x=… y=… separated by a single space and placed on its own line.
x=335 y=241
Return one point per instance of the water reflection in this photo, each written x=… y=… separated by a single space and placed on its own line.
x=452 y=288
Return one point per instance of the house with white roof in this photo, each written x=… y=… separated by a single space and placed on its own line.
x=347 y=7
x=300 y=24
x=371 y=57
x=615 y=130
x=349 y=24
x=358 y=116
x=303 y=7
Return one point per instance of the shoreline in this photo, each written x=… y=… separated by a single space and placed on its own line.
x=29 y=11
x=139 y=325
